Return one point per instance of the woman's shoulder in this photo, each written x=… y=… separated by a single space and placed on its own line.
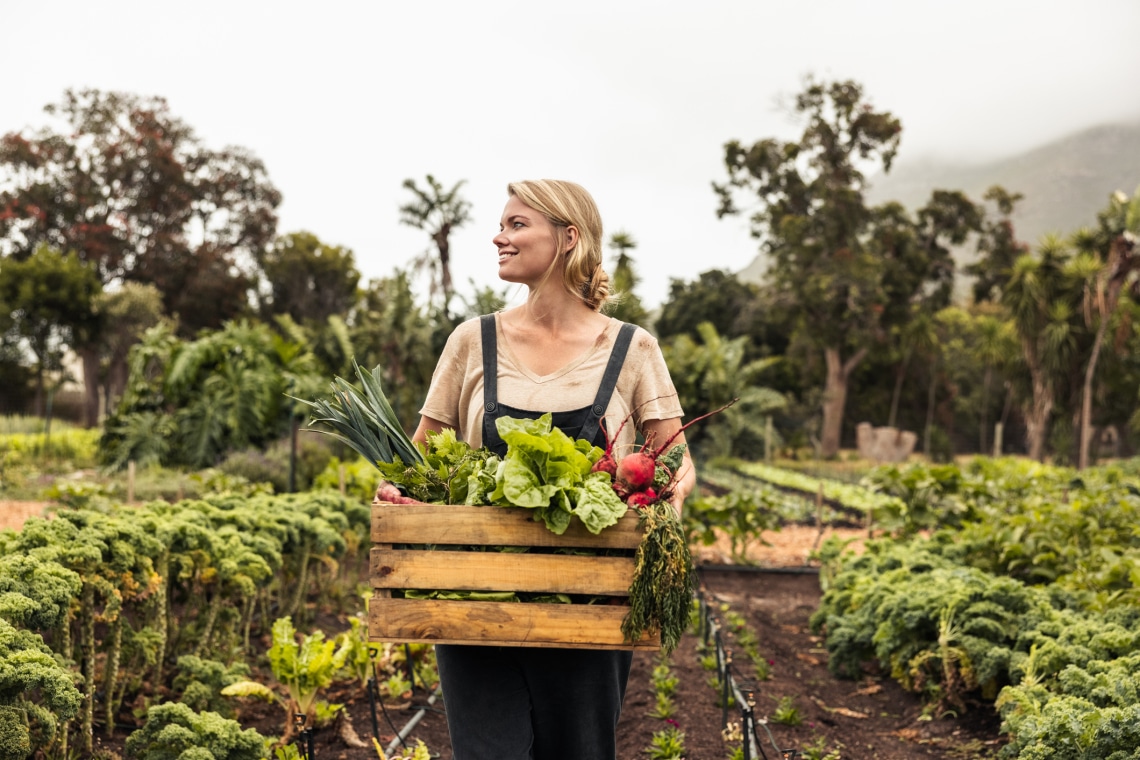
x=467 y=330
x=642 y=340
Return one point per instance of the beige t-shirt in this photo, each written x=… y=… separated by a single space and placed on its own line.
x=455 y=397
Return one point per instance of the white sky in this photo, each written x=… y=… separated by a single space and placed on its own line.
x=343 y=101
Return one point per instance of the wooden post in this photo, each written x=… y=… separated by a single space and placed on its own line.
x=340 y=475
x=131 y=482
x=997 y=438
x=768 y=435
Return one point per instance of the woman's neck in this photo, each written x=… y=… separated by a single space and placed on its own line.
x=555 y=312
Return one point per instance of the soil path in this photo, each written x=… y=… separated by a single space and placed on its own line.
x=13 y=514
x=872 y=719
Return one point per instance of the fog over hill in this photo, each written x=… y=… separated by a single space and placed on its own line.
x=1065 y=182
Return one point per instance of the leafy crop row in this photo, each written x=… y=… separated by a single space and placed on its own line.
x=118 y=595
x=1032 y=602
x=852 y=497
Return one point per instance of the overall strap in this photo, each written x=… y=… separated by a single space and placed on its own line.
x=490 y=364
x=609 y=382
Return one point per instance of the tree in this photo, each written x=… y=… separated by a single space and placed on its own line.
x=998 y=246
x=125 y=313
x=438 y=212
x=394 y=332
x=130 y=189
x=307 y=279
x=1043 y=296
x=628 y=307
x=812 y=219
x=49 y=297
x=716 y=297
x=1119 y=225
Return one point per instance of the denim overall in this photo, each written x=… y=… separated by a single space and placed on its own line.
x=523 y=703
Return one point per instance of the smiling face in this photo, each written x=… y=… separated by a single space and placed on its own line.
x=528 y=244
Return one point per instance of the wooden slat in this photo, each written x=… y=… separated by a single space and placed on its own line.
x=501 y=571
x=500 y=624
x=489 y=526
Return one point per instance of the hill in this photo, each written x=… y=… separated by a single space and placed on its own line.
x=1065 y=182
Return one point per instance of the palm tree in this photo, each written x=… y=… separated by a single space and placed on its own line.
x=1122 y=222
x=438 y=212
x=628 y=307
x=994 y=341
x=1041 y=295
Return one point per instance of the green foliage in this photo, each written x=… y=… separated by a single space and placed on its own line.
x=192 y=402
x=49 y=296
x=667 y=744
x=952 y=616
x=740 y=516
x=853 y=497
x=712 y=373
x=15 y=743
x=271 y=465
x=173 y=731
x=128 y=567
x=664 y=580
x=627 y=306
x=306 y=668
x=360 y=478
x=786 y=712
x=36 y=691
x=924 y=497
x=365 y=422
x=308 y=280
x=76 y=446
x=35 y=591
x=200 y=683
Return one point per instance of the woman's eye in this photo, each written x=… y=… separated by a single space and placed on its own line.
x=516 y=225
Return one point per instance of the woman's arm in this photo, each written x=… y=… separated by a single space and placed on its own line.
x=427 y=425
x=661 y=431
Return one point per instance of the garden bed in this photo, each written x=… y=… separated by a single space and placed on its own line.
x=777 y=606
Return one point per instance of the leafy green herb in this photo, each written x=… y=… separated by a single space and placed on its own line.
x=365 y=422
x=663 y=580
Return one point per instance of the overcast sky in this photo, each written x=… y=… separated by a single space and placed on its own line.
x=343 y=101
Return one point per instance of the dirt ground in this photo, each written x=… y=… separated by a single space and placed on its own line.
x=872 y=719
x=13 y=514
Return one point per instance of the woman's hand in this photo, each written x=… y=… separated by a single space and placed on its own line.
x=685 y=479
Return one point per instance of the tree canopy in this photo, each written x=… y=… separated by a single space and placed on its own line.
x=134 y=193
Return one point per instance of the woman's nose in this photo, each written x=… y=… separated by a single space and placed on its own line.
x=500 y=240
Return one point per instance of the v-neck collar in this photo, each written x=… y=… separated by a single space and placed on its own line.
x=569 y=367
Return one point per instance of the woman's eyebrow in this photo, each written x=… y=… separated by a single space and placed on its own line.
x=512 y=217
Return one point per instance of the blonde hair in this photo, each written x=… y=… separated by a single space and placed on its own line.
x=566 y=204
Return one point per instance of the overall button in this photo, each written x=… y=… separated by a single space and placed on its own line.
x=598 y=410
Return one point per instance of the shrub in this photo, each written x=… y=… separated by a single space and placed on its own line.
x=173 y=730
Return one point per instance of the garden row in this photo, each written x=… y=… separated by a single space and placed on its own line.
x=105 y=613
x=1025 y=595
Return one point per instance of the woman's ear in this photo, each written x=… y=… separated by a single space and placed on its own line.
x=571 y=238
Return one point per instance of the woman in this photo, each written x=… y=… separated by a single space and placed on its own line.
x=555 y=353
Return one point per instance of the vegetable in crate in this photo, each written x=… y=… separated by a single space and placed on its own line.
x=544 y=470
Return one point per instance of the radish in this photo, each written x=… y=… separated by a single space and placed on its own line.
x=635 y=473
x=642 y=499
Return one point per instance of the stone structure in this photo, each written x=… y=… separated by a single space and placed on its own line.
x=884 y=444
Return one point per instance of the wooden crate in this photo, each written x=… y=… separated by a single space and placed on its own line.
x=449 y=567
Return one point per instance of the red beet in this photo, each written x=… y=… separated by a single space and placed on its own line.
x=636 y=471
x=642 y=499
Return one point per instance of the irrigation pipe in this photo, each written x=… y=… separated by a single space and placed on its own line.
x=752 y=746
x=407 y=729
